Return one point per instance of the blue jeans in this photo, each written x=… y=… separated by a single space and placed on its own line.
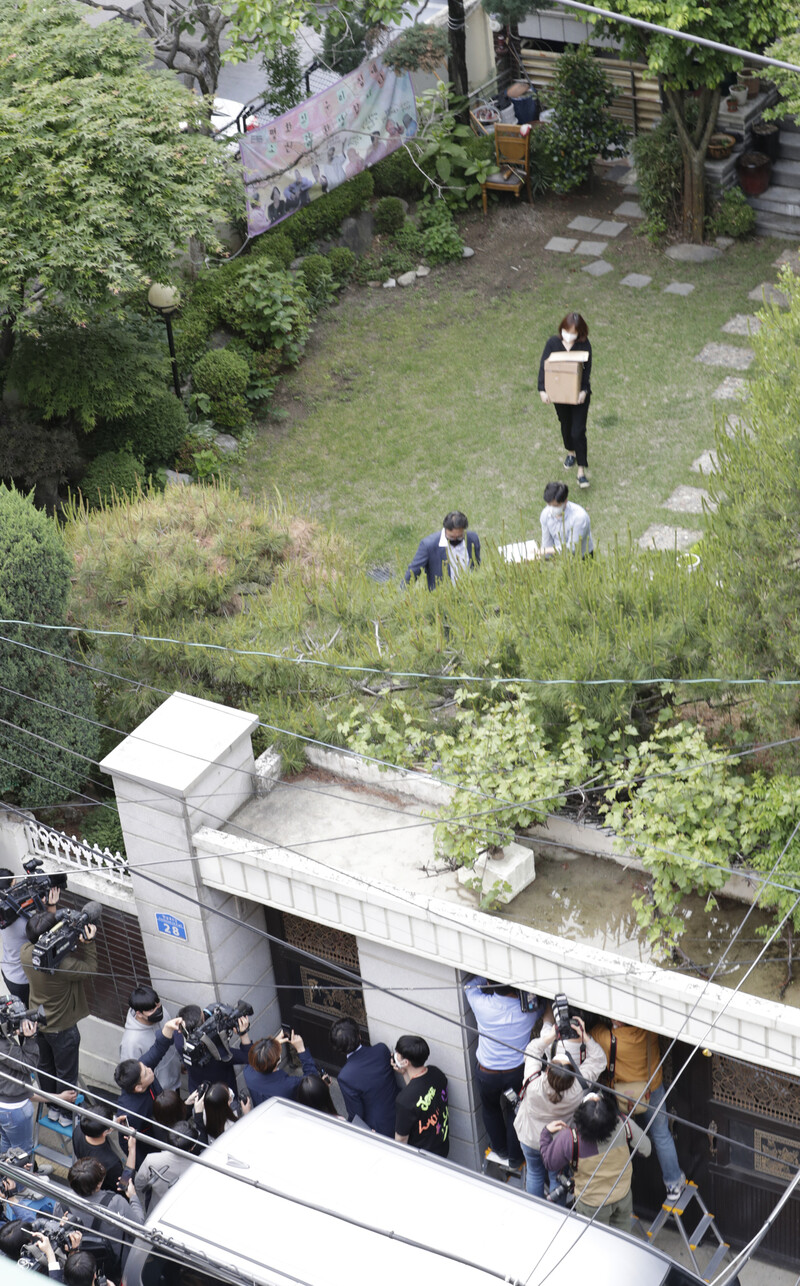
x=16 y=1127
x=536 y=1174
x=661 y=1137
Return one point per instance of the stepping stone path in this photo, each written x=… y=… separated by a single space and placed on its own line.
x=597 y=268
x=735 y=358
x=732 y=388
x=591 y=247
x=562 y=245
x=629 y=210
x=733 y=423
x=679 y=288
x=689 y=500
x=636 y=280
x=767 y=293
x=583 y=224
x=790 y=258
x=688 y=253
x=705 y=463
x=660 y=536
x=742 y=324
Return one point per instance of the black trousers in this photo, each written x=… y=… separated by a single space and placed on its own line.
x=498 y=1114
x=573 y=428
x=21 y=990
x=58 y=1059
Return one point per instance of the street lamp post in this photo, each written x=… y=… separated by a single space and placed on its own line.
x=166 y=300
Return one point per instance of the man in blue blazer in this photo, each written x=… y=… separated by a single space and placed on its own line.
x=447 y=552
x=367 y=1082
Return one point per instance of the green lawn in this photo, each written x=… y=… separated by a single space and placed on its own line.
x=411 y=403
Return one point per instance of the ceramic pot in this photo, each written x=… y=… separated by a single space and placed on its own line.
x=767 y=138
x=732 y=104
x=740 y=93
x=754 y=170
x=720 y=146
x=751 y=80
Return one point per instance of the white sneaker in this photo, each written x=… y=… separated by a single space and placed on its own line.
x=496 y=1158
x=674 y=1192
x=52 y=1114
x=64 y=1118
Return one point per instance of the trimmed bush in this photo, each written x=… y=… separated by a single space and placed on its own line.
x=734 y=216
x=154 y=433
x=276 y=246
x=317 y=274
x=343 y=263
x=323 y=217
x=268 y=308
x=114 y=475
x=222 y=376
x=389 y=215
x=397 y=175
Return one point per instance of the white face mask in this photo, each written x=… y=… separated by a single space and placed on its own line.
x=568 y=337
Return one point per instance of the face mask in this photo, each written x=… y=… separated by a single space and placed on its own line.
x=567 y=337
x=156 y=1015
x=558 y=510
x=460 y=541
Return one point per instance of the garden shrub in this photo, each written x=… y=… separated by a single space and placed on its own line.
x=659 y=170
x=112 y=476
x=409 y=240
x=397 y=261
x=324 y=217
x=397 y=175
x=389 y=215
x=268 y=308
x=44 y=456
x=276 y=246
x=370 y=267
x=343 y=263
x=222 y=376
x=101 y=826
x=317 y=274
x=734 y=216
x=584 y=128
x=153 y=433
x=440 y=237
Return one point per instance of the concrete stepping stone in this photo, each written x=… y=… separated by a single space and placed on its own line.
x=636 y=280
x=742 y=324
x=686 y=252
x=769 y=294
x=597 y=268
x=730 y=355
x=732 y=388
x=631 y=189
x=562 y=245
x=724 y=243
x=660 y=536
x=689 y=500
x=591 y=247
x=608 y=228
x=583 y=224
x=736 y=423
x=679 y=288
x=619 y=174
x=629 y=210
x=790 y=258
x=706 y=463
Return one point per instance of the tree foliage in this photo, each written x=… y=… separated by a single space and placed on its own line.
x=284 y=78
x=99 y=183
x=45 y=742
x=682 y=67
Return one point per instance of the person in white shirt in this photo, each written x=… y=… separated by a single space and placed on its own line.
x=504 y=1030
x=565 y=525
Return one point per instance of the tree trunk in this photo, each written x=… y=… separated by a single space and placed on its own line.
x=457 y=69
x=694 y=147
x=694 y=196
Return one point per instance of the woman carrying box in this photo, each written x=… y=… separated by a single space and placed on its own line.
x=572 y=331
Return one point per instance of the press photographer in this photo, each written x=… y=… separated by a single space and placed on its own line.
x=19 y=900
x=65 y=948
x=204 y=1044
x=18 y=1045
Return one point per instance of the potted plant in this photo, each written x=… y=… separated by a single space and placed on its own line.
x=720 y=146
x=740 y=93
x=732 y=104
x=750 y=80
x=766 y=138
x=754 y=170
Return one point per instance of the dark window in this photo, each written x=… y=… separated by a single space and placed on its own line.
x=121 y=961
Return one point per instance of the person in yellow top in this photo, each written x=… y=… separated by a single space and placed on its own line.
x=633 y=1057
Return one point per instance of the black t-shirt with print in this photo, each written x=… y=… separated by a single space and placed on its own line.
x=423 y=1114
x=104 y=1153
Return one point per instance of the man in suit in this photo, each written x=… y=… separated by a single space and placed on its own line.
x=367 y=1082
x=450 y=551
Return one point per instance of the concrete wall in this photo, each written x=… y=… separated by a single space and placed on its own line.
x=452 y=1049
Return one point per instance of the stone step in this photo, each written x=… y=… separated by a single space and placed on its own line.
x=776 y=225
x=786 y=173
x=789 y=146
x=778 y=200
x=789 y=125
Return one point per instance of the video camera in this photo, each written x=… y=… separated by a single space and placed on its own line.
x=199 y=1045
x=28 y=895
x=63 y=937
x=54 y=1231
x=13 y=1013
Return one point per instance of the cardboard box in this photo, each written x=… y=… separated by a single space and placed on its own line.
x=562 y=376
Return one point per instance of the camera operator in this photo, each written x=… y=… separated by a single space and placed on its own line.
x=86 y=1177
x=214 y=1071
x=63 y=999
x=16 y=1090
x=161 y=1170
x=13 y=939
x=19 y=1239
x=146 y=1012
x=550 y=1083
x=140 y=1086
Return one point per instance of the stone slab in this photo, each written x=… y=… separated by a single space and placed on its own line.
x=562 y=245
x=686 y=252
x=705 y=463
x=769 y=294
x=597 y=268
x=660 y=536
x=636 y=280
x=724 y=243
x=516 y=868
x=609 y=228
x=729 y=355
x=689 y=500
x=679 y=288
x=583 y=224
x=742 y=324
x=629 y=210
x=735 y=423
x=591 y=247
x=733 y=387
x=790 y=258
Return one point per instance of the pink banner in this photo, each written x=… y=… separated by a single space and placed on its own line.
x=326 y=140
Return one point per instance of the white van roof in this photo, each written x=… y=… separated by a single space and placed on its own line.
x=487 y=1228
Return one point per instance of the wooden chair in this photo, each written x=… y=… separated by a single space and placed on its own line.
x=512 y=152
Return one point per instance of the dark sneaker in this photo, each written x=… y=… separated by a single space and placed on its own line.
x=569 y=460
x=583 y=481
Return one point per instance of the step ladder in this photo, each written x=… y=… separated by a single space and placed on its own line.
x=504 y=1173
x=52 y=1142
x=688 y=1196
